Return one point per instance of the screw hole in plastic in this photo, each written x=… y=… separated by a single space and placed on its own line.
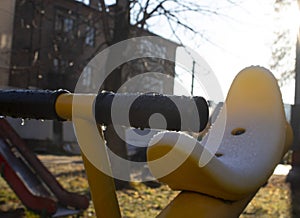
x=218 y=155
x=238 y=131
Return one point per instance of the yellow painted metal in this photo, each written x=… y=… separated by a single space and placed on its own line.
x=102 y=190
x=67 y=104
x=63 y=106
x=97 y=167
x=196 y=205
x=101 y=185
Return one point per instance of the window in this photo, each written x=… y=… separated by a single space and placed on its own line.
x=90 y=36
x=68 y=24
x=58 y=22
x=59 y=65
x=55 y=64
x=64 y=22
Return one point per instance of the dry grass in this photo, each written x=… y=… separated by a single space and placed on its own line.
x=273 y=200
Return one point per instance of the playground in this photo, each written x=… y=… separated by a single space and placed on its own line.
x=103 y=116
x=273 y=200
x=209 y=181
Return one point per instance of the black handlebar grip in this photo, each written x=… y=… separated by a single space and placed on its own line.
x=37 y=104
x=180 y=113
x=136 y=110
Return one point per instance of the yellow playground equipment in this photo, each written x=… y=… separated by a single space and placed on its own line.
x=217 y=176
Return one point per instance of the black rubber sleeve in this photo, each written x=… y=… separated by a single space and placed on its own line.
x=180 y=113
x=37 y=104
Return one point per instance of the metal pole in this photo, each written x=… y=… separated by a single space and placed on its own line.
x=295 y=116
x=40 y=104
x=193 y=78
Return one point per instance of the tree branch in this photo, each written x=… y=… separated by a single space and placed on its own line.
x=105 y=21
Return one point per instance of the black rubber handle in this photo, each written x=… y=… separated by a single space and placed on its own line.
x=180 y=113
x=37 y=104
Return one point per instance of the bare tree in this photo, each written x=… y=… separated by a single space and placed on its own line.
x=174 y=15
x=284 y=45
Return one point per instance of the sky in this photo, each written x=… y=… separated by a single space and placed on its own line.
x=241 y=38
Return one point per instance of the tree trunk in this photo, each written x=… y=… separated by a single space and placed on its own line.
x=114 y=81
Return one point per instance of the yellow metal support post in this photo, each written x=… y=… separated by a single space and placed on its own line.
x=102 y=190
x=63 y=106
x=102 y=186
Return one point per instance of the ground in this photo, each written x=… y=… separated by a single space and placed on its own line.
x=144 y=200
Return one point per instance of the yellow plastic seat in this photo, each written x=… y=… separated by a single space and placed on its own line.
x=253 y=135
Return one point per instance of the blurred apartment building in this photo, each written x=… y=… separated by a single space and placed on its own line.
x=46 y=44
x=50 y=42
